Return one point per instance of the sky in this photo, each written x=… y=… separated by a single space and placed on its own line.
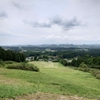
x=33 y=22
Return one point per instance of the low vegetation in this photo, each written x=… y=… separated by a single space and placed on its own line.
x=52 y=78
x=19 y=66
x=23 y=66
x=85 y=68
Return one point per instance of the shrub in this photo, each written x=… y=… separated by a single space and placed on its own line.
x=23 y=66
x=84 y=69
x=9 y=62
x=83 y=65
x=95 y=72
x=2 y=63
x=95 y=66
x=98 y=76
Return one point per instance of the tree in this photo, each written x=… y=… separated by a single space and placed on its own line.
x=74 y=62
x=9 y=55
x=64 y=62
x=83 y=65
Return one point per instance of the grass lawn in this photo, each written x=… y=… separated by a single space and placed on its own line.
x=53 y=78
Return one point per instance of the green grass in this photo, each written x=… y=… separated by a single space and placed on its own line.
x=10 y=91
x=53 y=78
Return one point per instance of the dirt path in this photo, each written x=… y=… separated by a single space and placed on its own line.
x=48 y=96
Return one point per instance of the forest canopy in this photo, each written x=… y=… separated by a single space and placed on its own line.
x=11 y=55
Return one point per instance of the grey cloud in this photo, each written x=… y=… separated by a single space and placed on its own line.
x=95 y=1
x=94 y=4
x=16 y=5
x=71 y=24
x=56 y=20
x=3 y=15
x=37 y=24
x=65 y=24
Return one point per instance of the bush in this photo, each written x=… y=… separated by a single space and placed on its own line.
x=23 y=66
x=9 y=62
x=2 y=64
x=95 y=66
x=93 y=71
x=84 y=69
x=83 y=65
x=98 y=76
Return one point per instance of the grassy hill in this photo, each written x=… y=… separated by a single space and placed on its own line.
x=52 y=78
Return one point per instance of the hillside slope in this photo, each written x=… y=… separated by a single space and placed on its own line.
x=53 y=79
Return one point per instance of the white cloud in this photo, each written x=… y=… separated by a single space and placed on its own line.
x=49 y=21
x=4 y=32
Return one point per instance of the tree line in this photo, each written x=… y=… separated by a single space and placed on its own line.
x=11 y=55
x=91 y=62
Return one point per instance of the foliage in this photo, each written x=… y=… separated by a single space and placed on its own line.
x=92 y=62
x=64 y=62
x=8 y=62
x=84 y=69
x=11 y=55
x=23 y=66
x=95 y=72
x=2 y=63
x=98 y=76
x=83 y=65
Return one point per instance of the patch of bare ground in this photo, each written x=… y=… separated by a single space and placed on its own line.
x=48 y=96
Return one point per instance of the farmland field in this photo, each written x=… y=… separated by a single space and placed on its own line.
x=53 y=78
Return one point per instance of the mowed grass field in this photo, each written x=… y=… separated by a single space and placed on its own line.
x=52 y=78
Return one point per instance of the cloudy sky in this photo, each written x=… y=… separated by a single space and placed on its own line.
x=49 y=22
